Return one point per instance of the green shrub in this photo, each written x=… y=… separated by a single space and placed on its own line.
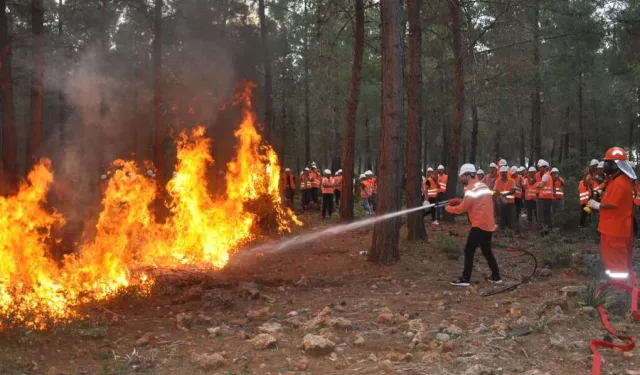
x=555 y=251
x=448 y=245
x=589 y=298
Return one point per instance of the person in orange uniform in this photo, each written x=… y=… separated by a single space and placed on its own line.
x=584 y=194
x=314 y=180
x=338 y=190
x=289 y=186
x=373 y=189
x=442 y=184
x=305 y=189
x=616 y=216
x=505 y=189
x=545 y=197
x=328 y=186
x=478 y=202
x=365 y=194
x=519 y=182
x=531 y=195
x=432 y=194
x=558 y=192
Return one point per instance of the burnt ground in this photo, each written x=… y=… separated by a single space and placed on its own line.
x=402 y=319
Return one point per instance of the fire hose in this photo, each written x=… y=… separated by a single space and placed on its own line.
x=629 y=342
x=526 y=279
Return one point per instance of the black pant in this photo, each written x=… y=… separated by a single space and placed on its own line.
x=337 y=194
x=532 y=210
x=305 y=197
x=327 y=204
x=434 y=210
x=372 y=201
x=440 y=198
x=545 y=212
x=478 y=237
x=507 y=219
x=518 y=207
x=315 y=194
x=583 y=215
x=289 y=194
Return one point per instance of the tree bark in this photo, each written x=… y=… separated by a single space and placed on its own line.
x=583 y=150
x=456 y=15
x=346 y=199
x=536 y=82
x=425 y=145
x=415 y=221
x=37 y=77
x=475 y=125
x=268 y=84
x=368 y=161
x=9 y=137
x=443 y=117
x=384 y=247
x=305 y=58
x=62 y=115
x=158 y=145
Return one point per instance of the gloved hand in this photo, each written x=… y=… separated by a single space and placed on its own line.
x=593 y=204
x=454 y=202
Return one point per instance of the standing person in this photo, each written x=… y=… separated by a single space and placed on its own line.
x=289 y=186
x=519 y=184
x=305 y=189
x=432 y=195
x=531 y=195
x=558 y=192
x=314 y=180
x=373 y=189
x=328 y=187
x=338 y=188
x=478 y=202
x=584 y=195
x=442 y=180
x=491 y=178
x=365 y=194
x=545 y=197
x=480 y=174
x=505 y=189
x=591 y=173
x=616 y=217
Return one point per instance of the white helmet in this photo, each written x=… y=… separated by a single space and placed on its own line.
x=504 y=168
x=601 y=164
x=339 y=171
x=555 y=170
x=307 y=169
x=514 y=169
x=301 y=173
x=543 y=163
x=540 y=162
x=429 y=169
x=368 y=173
x=532 y=169
x=593 y=163
x=313 y=166
x=502 y=163
x=441 y=167
x=103 y=177
x=327 y=171
x=466 y=168
x=522 y=169
x=480 y=171
x=362 y=176
x=287 y=170
x=493 y=165
x=150 y=173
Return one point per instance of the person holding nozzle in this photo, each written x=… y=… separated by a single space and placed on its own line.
x=505 y=189
x=478 y=202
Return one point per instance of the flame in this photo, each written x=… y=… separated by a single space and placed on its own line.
x=201 y=231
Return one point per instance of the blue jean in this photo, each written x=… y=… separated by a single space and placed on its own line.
x=366 y=205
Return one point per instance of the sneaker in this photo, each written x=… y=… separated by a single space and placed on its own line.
x=460 y=282
x=435 y=223
x=495 y=280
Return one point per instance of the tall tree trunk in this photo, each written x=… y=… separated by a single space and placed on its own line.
x=62 y=115
x=456 y=18
x=583 y=150
x=497 y=147
x=532 y=160
x=384 y=246
x=415 y=221
x=37 y=77
x=475 y=125
x=425 y=145
x=158 y=145
x=536 y=81
x=522 y=146
x=268 y=84
x=368 y=161
x=305 y=58
x=346 y=199
x=443 y=117
x=631 y=126
x=9 y=137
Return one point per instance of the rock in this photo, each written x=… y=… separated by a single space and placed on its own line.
x=544 y=272
x=453 y=329
x=341 y=323
x=259 y=313
x=580 y=345
x=333 y=357
x=314 y=324
x=419 y=339
x=303 y=281
x=415 y=325
x=552 y=303
x=263 y=341
x=144 y=340
x=250 y=289
x=558 y=341
x=193 y=293
x=521 y=327
x=479 y=370
x=589 y=311
x=301 y=365
x=443 y=337
x=372 y=357
x=292 y=313
x=386 y=365
x=632 y=372
x=573 y=290
x=214 y=331
x=400 y=319
x=209 y=361
x=535 y=372
x=242 y=335
x=385 y=318
x=317 y=345
x=270 y=328
x=448 y=346
x=184 y=319
x=54 y=371
x=358 y=340
x=373 y=287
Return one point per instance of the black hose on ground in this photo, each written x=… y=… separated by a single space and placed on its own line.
x=511 y=287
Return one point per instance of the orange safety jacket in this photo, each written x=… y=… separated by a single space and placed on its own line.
x=505 y=188
x=304 y=182
x=365 y=191
x=559 y=190
x=289 y=181
x=373 y=185
x=519 y=183
x=530 y=189
x=442 y=183
x=432 y=188
x=546 y=192
x=583 y=193
x=328 y=185
x=338 y=182
x=314 y=179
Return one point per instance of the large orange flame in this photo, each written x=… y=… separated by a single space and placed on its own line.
x=200 y=232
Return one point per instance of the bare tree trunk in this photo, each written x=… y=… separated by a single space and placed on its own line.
x=268 y=84
x=425 y=145
x=583 y=144
x=445 y=125
x=158 y=145
x=307 y=125
x=456 y=15
x=368 y=161
x=384 y=247
x=536 y=82
x=415 y=221
x=37 y=77
x=62 y=115
x=475 y=125
x=346 y=199
x=9 y=137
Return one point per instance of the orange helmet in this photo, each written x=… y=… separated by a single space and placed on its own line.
x=616 y=153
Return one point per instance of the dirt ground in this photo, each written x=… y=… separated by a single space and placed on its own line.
x=402 y=319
